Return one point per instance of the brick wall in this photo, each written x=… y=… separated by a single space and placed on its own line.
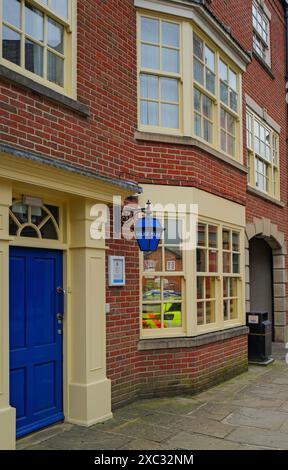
x=107 y=83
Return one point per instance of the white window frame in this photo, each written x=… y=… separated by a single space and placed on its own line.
x=265 y=44
x=188 y=84
x=69 y=53
x=272 y=164
x=189 y=294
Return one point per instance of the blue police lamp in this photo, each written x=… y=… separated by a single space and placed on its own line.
x=148 y=230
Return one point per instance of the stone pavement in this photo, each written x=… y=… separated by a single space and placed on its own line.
x=247 y=412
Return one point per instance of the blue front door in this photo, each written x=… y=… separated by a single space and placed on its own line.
x=35 y=337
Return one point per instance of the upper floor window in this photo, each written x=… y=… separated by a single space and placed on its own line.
x=187 y=86
x=263 y=156
x=261 y=32
x=36 y=38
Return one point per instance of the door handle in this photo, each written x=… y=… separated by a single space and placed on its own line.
x=60 y=290
x=59 y=317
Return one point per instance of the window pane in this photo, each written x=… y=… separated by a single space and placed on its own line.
x=197 y=100
x=223 y=118
x=197 y=125
x=212 y=235
x=172 y=315
x=170 y=60
x=207 y=107
x=236 y=263
x=170 y=34
x=34 y=22
x=151 y=289
x=201 y=260
x=223 y=71
x=11 y=45
x=210 y=287
x=173 y=259
x=210 y=58
x=55 y=70
x=150 y=56
x=149 y=86
x=200 y=313
x=200 y=287
x=230 y=124
x=33 y=57
x=226 y=262
x=233 y=287
x=213 y=261
x=233 y=80
x=198 y=47
x=235 y=241
x=226 y=310
x=153 y=261
x=201 y=235
x=55 y=35
x=207 y=131
x=231 y=145
x=169 y=89
x=173 y=232
x=233 y=309
x=60 y=6
x=170 y=116
x=233 y=100
x=172 y=289
x=149 y=113
x=210 y=81
x=210 y=312
x=150 y=30
x=224 y=93
x=225 y=287
x=223 y=141
x=226 y=239
x=151 y=316
x=198 y=72
x=12 y=12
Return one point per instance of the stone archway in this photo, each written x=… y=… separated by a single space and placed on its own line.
x=265 y=229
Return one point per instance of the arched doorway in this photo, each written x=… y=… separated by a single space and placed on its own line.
x=261 y=278
x=266 y=253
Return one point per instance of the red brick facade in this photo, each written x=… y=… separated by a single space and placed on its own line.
x=105 y=143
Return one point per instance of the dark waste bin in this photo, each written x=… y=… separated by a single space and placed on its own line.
x=260 y=337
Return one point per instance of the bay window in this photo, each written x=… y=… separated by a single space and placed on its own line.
x=194 y=291
x=263 y=156
x=36 y=40
x=186 y=85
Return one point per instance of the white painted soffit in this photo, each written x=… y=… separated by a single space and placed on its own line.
x=205 y=21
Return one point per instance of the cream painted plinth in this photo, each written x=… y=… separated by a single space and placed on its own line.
x=7 y=428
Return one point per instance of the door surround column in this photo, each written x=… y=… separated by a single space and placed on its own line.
x=89 y=390
x=7 y=413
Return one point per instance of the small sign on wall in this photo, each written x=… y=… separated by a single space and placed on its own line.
x=116 y=271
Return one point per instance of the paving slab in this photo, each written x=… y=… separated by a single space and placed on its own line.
x=206 y=426
x=248 y=412
x=189 y=441
x=262 y=437
x=255 y=417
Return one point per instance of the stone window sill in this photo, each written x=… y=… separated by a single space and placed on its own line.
x=38 y=88
x=258 y=193
x=181 y=140
x=264 y=65
x=195 y=342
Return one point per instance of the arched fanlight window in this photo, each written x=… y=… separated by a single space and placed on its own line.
x=33 y=221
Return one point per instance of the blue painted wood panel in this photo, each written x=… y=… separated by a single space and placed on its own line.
x=36 y=364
